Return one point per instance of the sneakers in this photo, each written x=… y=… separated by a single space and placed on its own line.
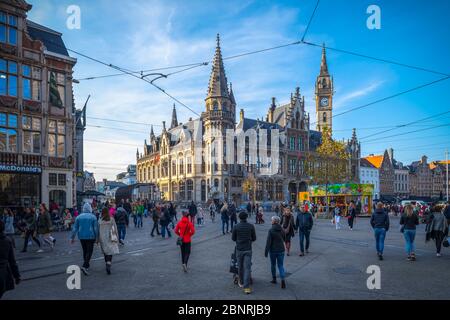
x=85 y=271
x=301 y=254
x=274 y=280
x=380 y=257
x=283 y=284
x=54 y=241
x=438 y=255
x=40 y=250
x=247 y=290
x=240 y=284
x=184 y=267
x=108 y=268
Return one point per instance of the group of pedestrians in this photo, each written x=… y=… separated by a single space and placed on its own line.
x=437 y=228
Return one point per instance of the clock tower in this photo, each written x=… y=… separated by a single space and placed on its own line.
x=324 y=96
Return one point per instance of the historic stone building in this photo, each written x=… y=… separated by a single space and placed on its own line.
x=170 y=160
x=385 y=164
x=421 y=179
x=36 y=112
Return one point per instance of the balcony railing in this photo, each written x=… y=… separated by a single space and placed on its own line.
x=20 y=159
x=31 y=160
x=9 y=158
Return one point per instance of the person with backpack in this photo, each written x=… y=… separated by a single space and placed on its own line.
x=303 y=224
x=380 y=224
x=275 y=248
x=155 y=218
x=244 y=235
x=86 y=228
x=409 y=221
x=122 y=221
x=185 y=230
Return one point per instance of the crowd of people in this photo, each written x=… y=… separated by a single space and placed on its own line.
x=106 y=224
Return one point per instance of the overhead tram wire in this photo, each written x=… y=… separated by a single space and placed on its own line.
x=310 y=20
x=123 y=121
x=405 y=125
x=376 y=59
x=389 y=97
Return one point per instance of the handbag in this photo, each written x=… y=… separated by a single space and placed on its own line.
x=234 y=268
x=180 y=239
x=113 y=234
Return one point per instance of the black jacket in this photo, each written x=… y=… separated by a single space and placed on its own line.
x=409 y=222
x=192 y=210
x=127 y=207
x=8 y=266
x=121 y=217
x=447 y=211
x=304 y=221
x=232 y=212
x=275 y=240
x=244 y=234
x=380 y=219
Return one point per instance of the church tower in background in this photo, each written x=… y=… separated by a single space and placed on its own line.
x=324 y=96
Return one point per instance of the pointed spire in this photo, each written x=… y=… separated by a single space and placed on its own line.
x=218 y=81
x=233 y=101
x=164 y=126
x=152 y=133
x=354 y=137
x=323 y=64
x=174 y=118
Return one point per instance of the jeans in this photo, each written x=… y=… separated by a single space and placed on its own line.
x=139 y=221
x=409 y=236
x=88 y=248
x=338 y=220
x=185 y=252
x=122 y=229
x=380 y=234
x=304 y=234
x=146 y=213
x=28 y=234
x=245 y=267
x=227 y=223
x=135 y=220
x=233 y=222
x=155 y=227
x=277 y=258
x=165 y=228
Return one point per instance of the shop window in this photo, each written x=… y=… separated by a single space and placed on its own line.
x=8 y=78
x=52 y=179
x=31 y=134
x=8 y=132
x=8 y=28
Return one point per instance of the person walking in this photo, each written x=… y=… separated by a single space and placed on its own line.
x=337 y=216
x=225 y=218
x=155 y=218
x=185 y=230
x=232 y=212
x=275 y=248
x=9 y=271
x=409 y=220
x=86 y=228
x=140 y=214
x=108 y=237
x=165 y=221
x=380 y=224
x=303 y=224
x=437 y=228
x=44 y=226
x=288 y=225
x=351 y=215
x=173 y=214
x=192 y=211
x=9 y=225
x=30 y=229
x=122 y=222
x=249 y=209
x=244 y=235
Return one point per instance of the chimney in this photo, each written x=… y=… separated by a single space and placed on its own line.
x=242 y=115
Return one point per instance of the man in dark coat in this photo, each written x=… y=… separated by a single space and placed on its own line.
x=192 y=211
x=9 y=271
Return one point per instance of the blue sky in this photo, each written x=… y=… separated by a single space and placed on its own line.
x=148 y=34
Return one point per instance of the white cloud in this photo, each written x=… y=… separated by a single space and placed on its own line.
x=357 y=93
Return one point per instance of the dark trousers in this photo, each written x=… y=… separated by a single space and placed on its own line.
x=28 y=234
x=351 y=220
x=233 y=222
x=88 y=248
x=439 y=238
x=155 y=227
x=225 y=223
x=108 y=259
x=185 y=252
x=304 y=234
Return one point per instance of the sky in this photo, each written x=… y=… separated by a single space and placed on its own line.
x=140 y=35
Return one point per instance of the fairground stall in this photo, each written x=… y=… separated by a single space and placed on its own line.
x=342 y=194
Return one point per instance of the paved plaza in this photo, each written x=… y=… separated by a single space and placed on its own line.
x=150 y=268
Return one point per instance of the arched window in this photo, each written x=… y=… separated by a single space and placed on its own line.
x=324 y=83
x=324 y=118
x=215 y=106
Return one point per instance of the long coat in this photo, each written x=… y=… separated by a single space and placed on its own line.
x=44 y=223
x=8 y=266
x=109 y=248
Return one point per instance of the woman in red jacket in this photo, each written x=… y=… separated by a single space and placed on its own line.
x=185 y=230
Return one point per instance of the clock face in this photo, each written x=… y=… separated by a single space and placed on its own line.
x=324 y=102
